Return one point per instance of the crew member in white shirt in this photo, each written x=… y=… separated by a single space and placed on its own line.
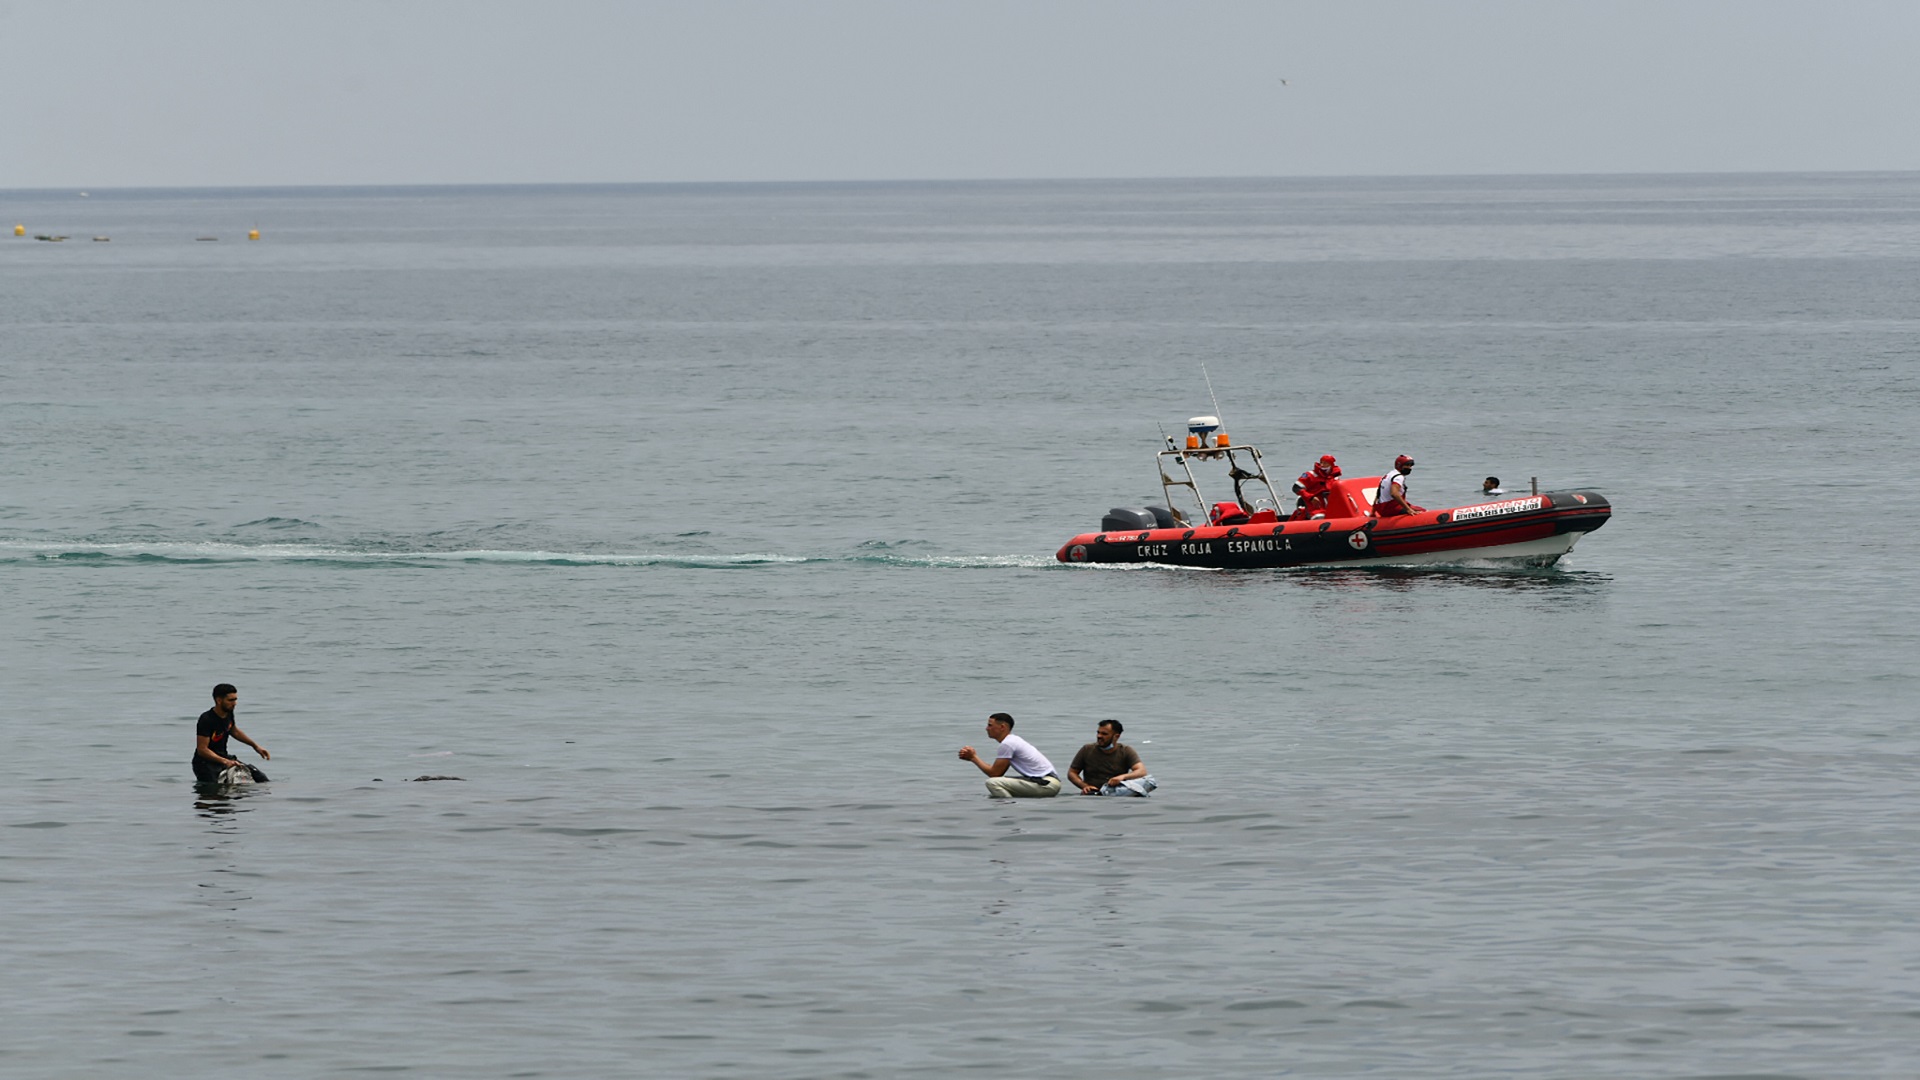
x=1391 y=500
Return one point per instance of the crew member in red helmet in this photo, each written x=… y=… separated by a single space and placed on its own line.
x=1312 y=489
x=1391 y=500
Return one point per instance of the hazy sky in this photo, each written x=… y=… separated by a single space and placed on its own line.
x=109 y=93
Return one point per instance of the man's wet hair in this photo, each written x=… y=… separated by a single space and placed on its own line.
x=223 y=690
x=1003 y=718
x=1118 y=727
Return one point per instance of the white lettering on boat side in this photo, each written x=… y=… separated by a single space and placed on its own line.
x=1487 y=510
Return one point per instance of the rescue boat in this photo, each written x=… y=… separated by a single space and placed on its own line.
x=1249 y=532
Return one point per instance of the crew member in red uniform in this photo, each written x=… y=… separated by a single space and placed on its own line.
x=1391 y=500
x=1312 y=489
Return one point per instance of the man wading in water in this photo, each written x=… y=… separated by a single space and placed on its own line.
x=210 y=739
x=1018 y=771
x=1107 y=766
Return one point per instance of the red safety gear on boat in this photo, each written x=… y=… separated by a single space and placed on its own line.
x=1228 y=513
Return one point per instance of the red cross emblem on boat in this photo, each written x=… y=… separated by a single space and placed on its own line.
x=1357 y=540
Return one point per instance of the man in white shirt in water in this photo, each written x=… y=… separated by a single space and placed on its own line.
x=1018 y=771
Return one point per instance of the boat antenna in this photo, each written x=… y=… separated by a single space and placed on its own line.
x=1216 y=401
x=1163 y=434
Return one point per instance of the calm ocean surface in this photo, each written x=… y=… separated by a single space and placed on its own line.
x=697 y=527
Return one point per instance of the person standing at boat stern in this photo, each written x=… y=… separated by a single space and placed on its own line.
x=1391 y=499
x=1018 y=771
x=210 y=737
x=1107 y=766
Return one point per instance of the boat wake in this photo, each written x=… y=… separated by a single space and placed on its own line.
x=389 y=555
x=214 y=552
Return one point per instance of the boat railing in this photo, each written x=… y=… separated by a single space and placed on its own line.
x=1237 y=458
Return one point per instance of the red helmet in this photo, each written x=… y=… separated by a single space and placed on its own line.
x=1326 y=459
x=1403 y=462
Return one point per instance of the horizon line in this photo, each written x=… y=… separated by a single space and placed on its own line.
x=83 y=189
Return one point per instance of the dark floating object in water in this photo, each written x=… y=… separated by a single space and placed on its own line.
x=101 y=239
x=206 y=238
x=241 y=773
x=49 y=238
x=418 y=779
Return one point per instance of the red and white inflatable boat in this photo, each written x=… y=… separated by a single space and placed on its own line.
x=1249 y=532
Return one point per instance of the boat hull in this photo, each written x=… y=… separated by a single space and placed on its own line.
x=1531 y=530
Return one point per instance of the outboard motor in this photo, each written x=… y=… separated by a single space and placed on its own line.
x=1123 y=519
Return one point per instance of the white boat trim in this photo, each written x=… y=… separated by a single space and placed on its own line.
x=1541 y=552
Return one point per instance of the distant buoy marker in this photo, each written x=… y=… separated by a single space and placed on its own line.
x=19 y=230
x=253 y=234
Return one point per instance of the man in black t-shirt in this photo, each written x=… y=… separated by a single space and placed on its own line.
x=210 y=738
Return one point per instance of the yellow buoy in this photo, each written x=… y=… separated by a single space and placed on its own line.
x=253 y=234
x=19 y=230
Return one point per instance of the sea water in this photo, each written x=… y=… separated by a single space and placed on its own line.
x=696 y=528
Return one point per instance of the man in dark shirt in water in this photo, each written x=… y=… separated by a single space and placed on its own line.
x=1103 y=766
x=210 y=738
